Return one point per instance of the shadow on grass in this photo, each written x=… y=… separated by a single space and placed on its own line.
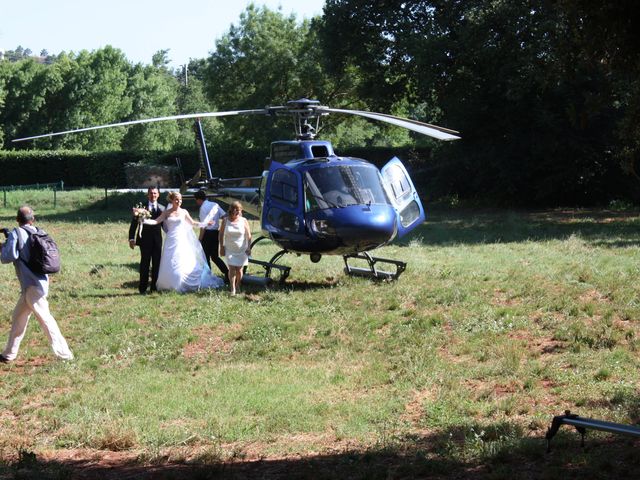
x=444 y=225
x=449 y=226
x=303 y=286
x=598 y=227
x=131 y=265
x=438 y=455
x=252 y=292
x=129 y=293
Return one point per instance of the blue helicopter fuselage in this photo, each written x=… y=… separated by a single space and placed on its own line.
x=313 y=201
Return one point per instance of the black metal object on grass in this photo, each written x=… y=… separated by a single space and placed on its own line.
x=581 y=424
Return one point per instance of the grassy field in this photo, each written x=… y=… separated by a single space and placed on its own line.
x=502 y=320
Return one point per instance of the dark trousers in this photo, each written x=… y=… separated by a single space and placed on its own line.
x=149 y=257
x=211 y=248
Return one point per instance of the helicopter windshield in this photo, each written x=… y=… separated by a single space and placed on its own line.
x=335 y=187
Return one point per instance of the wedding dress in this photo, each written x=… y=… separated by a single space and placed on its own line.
x=183 y=266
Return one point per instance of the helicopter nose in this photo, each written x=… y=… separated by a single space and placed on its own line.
x=366 y=227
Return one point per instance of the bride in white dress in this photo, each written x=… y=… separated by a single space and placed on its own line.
x=183 y=266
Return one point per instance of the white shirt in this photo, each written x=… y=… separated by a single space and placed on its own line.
x=160 y=209
x=211 y=212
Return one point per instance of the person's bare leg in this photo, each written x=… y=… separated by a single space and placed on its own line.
x=232 y=280
x=238 y=279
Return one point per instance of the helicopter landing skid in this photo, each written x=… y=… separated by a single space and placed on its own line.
x=269 y=268
x=372 y=271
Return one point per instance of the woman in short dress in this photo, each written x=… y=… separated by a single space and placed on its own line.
x=235 y=244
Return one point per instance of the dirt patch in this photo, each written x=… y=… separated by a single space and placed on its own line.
x=594 y=296
x=452 y=358
x=27 y=366
x=536 y=345
x=524 y=335
x=384 y=331
x=210 y=341
x=250 y=460
x=540 y=318
x=483 y=389
x=414 y=411
x=504 y=299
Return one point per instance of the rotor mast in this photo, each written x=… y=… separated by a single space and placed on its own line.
x=305 y=114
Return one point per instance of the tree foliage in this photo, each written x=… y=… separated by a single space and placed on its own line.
x=257 y=63
x=546 y=93
x=521 y=79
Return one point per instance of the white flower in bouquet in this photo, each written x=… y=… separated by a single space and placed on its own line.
x=141 y=213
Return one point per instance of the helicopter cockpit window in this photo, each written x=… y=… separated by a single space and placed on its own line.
x=284 y=152
x=284 y=188
x=398 y=182
x=335 y=187
x=409 y=214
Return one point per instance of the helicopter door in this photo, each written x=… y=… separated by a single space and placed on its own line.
x=282 y=214
x=403 y=196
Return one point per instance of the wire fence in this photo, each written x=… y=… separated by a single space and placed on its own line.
x=54 y=187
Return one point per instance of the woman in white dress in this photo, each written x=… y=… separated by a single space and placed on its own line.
x=235 y=244
x=183 y=266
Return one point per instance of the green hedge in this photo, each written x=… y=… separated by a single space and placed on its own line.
x=74 y=168
x=106 y=169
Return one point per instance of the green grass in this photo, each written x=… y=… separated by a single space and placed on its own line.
x=502 y=320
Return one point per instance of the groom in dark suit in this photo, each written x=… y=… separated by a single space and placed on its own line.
x=150 y=242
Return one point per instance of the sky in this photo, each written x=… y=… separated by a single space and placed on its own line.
x=140 y=28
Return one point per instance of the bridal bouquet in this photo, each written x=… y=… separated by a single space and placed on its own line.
x=141 y=213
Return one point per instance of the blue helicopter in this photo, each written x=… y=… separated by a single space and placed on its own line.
x=311 y=201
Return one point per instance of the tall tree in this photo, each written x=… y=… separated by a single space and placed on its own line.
x=26 y=85
x=152 y=92
x=259 y=62
x=268 y=59
x=93 y=93
x=193 y=99
x=4 y=77
x=535 y=112
x=610 y=37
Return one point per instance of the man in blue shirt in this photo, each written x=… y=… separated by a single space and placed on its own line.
x=33 y=292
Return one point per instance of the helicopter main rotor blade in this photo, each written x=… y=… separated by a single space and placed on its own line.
x=434 y=131
x=151 y=120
